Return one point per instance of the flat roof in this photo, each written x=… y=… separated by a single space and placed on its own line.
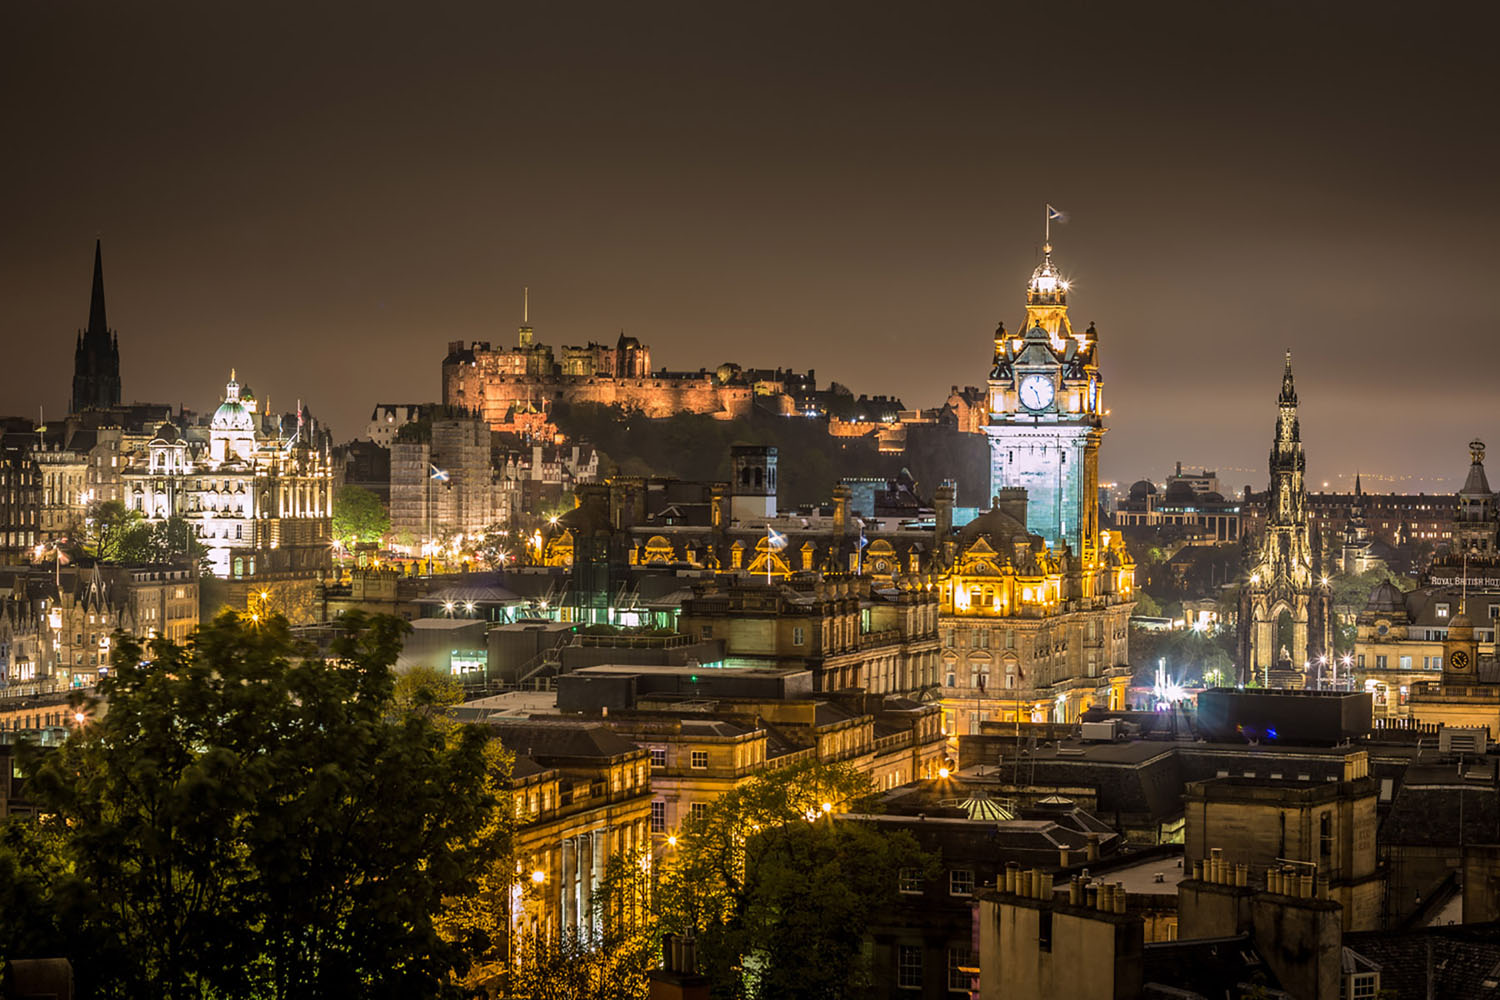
x=514 y=704
x=1139 y=877
x=447 y=624
x=686 y=671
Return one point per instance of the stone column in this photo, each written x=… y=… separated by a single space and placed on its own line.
x=566 y=885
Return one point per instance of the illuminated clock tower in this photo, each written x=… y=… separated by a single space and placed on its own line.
x=1046 y=417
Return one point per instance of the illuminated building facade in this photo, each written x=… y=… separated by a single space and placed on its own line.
x=258 y=496
x=1405 y=642
x=1285 y=624
x=1035 y=600
x=582 y=795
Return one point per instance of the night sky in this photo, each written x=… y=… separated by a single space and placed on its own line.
x=324 y=195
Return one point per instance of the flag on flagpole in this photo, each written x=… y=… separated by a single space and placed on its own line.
x=441 y=475
x=775 y=539
x=1053 y=215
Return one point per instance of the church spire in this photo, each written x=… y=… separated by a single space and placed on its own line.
x=96 y=354
x=97 y=325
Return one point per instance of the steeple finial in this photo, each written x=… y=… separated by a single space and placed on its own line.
x=525 y=304
x=1288 y=385
x=98 y=327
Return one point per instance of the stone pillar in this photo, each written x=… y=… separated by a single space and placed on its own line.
x=585 y=885
x=566 y=885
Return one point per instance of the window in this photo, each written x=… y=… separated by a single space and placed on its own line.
x=1044 y=929
x=658 y=817
x=708 y=631
x=799 y=636
x=1364 y=985
x=948 y=638
x=911 y=880
x=1361 y=661
x=698 y=810
x=1442 y=609
x=1437 y=663
x=1406 y=663
x=1380 y=661
x=960 y=960
x=961 y=882
x=699 y=759
x=909 y=967
x=658 y=756
x=1325 y=838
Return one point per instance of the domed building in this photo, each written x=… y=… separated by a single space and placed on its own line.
x=258 y=493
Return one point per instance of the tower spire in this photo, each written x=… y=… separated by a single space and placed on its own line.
x=97 y=325
x=96 y=354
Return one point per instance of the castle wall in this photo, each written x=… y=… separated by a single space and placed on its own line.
x=481 y=387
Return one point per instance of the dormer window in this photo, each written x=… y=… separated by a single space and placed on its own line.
x=1442 y=609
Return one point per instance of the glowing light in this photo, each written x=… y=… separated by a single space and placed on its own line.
x=672 y=840
x=79 y=717
x=538 y=876
x=828 y=807
x=552 y=520
x=469 y=606
x=943 y=772
x=448 y=606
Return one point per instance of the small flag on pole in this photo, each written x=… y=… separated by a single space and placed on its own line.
x=1053 y=215
x=441 y=475
x=775 y=539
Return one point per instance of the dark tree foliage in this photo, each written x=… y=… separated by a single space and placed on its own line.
x=117 y=534
x=777 y=891
x=249 y=819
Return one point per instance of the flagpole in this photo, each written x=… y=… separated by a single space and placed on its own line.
x=1047 y=223
x=769 y=550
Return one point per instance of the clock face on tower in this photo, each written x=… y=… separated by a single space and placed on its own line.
x=1036 y=392
x=1459 y=660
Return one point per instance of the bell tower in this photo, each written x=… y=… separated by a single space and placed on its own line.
x=1045 y=417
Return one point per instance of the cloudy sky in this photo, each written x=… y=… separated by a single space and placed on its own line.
x=323 y=195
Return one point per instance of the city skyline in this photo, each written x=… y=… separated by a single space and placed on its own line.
x=775 y=198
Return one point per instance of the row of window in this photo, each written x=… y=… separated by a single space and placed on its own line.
x=961 y=968
x=960 y=881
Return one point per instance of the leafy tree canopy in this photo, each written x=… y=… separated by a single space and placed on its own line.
x=776 y=890
x=250 y=819
x=359 y=516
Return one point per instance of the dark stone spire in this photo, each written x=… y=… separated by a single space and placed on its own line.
x=97 y=325
x=96 y=357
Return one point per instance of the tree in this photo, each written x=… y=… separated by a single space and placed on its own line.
x=250 y=819
x=358 y=516
x=776 y=891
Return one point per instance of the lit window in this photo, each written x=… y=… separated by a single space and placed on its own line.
x=961 y=882
x=911 y=880
x=909 y=967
